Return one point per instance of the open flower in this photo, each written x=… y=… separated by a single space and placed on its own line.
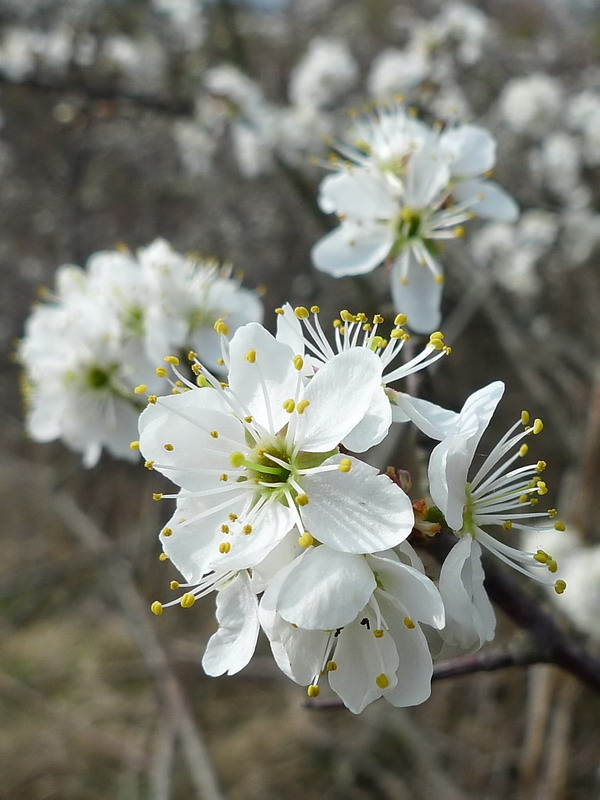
x=404 y=188
x=354 y=618
x=259 y=457
x=494 y=495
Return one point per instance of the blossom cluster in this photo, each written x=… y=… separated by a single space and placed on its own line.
x=90 y=351
x=278 y=513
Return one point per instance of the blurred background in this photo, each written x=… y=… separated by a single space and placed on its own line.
x=200 y=122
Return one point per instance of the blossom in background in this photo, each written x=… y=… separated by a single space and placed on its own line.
x=496 y=495
x=92 y=349
x=400 y=190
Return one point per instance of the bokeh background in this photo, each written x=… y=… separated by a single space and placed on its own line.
x=117 y=127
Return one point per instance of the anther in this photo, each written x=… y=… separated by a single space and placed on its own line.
x=507 y=524
x=152 y=398
x=301 y=312
x=247 y=529
x=382 y=681
x=378 y=633
x=298 y=362
x=409 y=623
x=289 y=405
x=251 y=356
x=560 y=586
x=538 y=426
x=156 y=608
x=401 y=319
x=149 y=464
x=157 y=496
x=224 y=528
x=135 y=445
x=174 y=585
x=524 y=417
x=192 y=355
x=187 y=600
x=221 y=327
x=313 y=690
x=558 y=525
x=224 y=547
x=214 y=434
x=523 y=450
x=305 y=540
x=331 y=666
x=160 y=372
x=168 y=447
x=163 y=557
x=345 y=465
x=224 y=477
x=167 y=531
x=315 y=310
x=302 y=500
x=173 y=360
x=303 y=404
x=141 y=389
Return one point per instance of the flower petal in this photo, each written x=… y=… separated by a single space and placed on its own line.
x=360 y=194
x=492 y=202
x=373 y=427
x=433 y=420
x=360 y=511
x=325 y=590
x=471 y=149
x=352 y=249
x=233 y=645
x=419 y=298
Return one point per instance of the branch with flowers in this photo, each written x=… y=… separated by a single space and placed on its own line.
x=277 y=512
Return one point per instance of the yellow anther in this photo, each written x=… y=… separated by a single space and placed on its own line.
x=187 y=600
x=141 y=388
x=149 y=464
x=157 y=496
x=192 y=355
x=552 y=565
x=248 y=419
x=560 y=586
x=378 y=633
x=523 y=498
x=542 y=488
x=174 y=390
x=298 y=362
x=540 y=466
x=524 y=417
x=541 y=557
x=214 y=434
x=167 y=532
x=538 y=426
x=523 y=450
x=347 y=316
x=401 y=319
x=221 y=327
x=168 y=447
x=152 y=398
x=160 y=372
x=247 y=529
x=196 y=369
x=436 y=335
x=156 y=608
x=552 y=512
x=303 y=404
x=331 y=666
x=301 y=312
x=345 y=465
x=378 y=319
x=181 y=384
x=559 y=526
x=409 y=623
x=302 y=500
x=382 y=681
x=163 y=557
x=315 y=310
x=534 y=501
x=224 y=528
x=507 y=524
x=223 y=477
x=224 y=547
x=305 y=540
x=397 y=333
x=439 y=279
x=279 y=311
x=337 y=323
x=135 y=445
x=236 y=459
x=289 y=405
x=459 y=232
x=173 y=360
x=312 y=690
x=220 y=361
x=174 y=585
x=233 y=517
x=251 y=356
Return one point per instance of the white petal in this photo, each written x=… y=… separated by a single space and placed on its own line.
x=470 y=617
x=448 y=467
x=353 y=249
x=415 y=667
x=428 y=175
x=360 y=511
x=373 y=427
x=420 y=298
x=492 y=201
x=325 y=590
x=478 y=409
x=472 y=150
x=359 y=194
x=233 y=645
x=433 y=420
x=339 y=396
x=264 y=385
x=289 y=330
x=414 y=590
x=361 y=658
x=185 y=421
